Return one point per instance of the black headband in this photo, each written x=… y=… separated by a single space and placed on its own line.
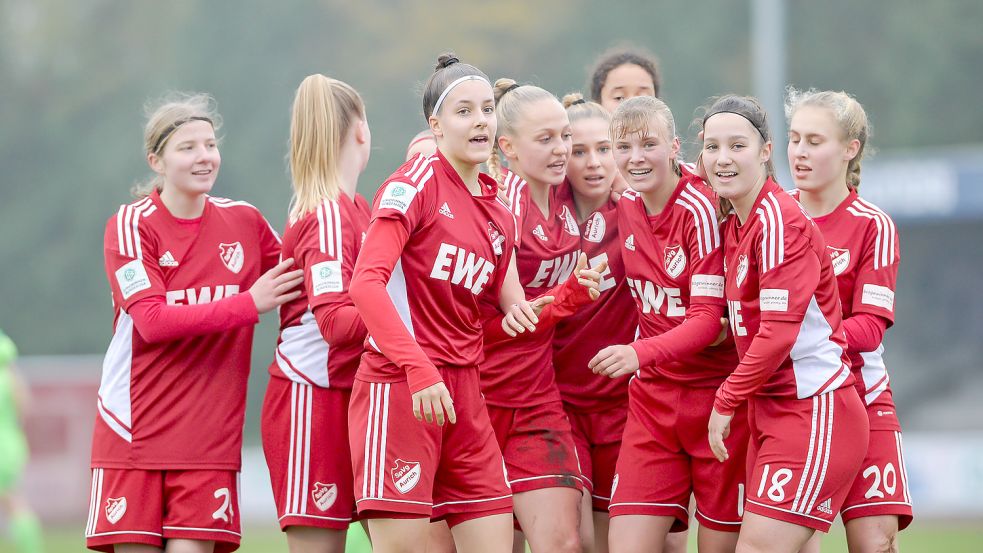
x=709 y=115
x=174 y=126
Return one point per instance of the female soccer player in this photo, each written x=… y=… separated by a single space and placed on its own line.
x=439 y=241
x=517 y=377
x=674 y=265
x=167 y=441
x=305 y=413
x=621 y=74
x=805 y=415
x=596 y=406
x=828 y=132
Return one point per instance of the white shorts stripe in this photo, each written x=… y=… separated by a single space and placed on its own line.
x=902 y=469
x=382 y=442
x=808 y=465
x=828 y=446
x=468 y=501
x=368 y=441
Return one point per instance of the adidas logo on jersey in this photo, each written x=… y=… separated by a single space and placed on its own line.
x=167 y=260
x=115 y=509
x=826 y=507
x=445 y=210
x=540 y=233
x=630 y=242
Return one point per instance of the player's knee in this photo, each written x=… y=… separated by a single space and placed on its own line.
x=883 y=542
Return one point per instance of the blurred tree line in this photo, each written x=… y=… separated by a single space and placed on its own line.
x=74 y=77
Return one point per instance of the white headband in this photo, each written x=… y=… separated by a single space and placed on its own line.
x=440 y=99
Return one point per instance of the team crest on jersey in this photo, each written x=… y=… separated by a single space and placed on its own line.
x=630 y=242
x=741 y=270
x=675 y=260
x=324 y=495
x=596 y=226
x=115 y=509
x=497 y=238
x=569 y=223
x=232 y=255
x=840 y=258
x=538 y=232
x=406 y=475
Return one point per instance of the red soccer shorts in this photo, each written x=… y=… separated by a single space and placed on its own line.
x=881 y=487
x=405 y=468
x=804 y=455
x=151 y=506
x=666 y=456
x=537 y=445
x=597 y=437
x=305 y=439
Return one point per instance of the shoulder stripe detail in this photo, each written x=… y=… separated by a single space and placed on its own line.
x=127 y=221
x=225 y=202
x=884 y=244
x=329 y=229
x=420 y=173
x=704 y=216
x=416 y=164
x=513 y=190
x=772 y=233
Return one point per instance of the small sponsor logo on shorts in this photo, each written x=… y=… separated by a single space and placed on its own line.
x=324 y=495
x=406 y=475
x=115 y=509
x=826 y=507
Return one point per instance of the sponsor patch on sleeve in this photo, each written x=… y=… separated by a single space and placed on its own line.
x=707 y=285
x=326 y=277
x=132 y=278
x=878 y=296
x=398 y=196
x=774 y=299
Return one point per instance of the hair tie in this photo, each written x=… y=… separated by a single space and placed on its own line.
x=174 y=126
x=511 y=88
x=578 y=101
x=449 y=61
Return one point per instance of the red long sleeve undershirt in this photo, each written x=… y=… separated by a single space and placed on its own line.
x=340 y=325
x=158 y=322
x=763 y=357
x=384 y=243
x=568 y=297
x=864 y=331
x=700 y=328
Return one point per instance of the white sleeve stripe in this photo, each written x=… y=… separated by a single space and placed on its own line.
x=337 y=230
x=885 y=230
x=705 y=222
x=769 y=238
x=320 y=228
x=416 y=163
x=419 y=171
x=425 y=179
x=119 y=228
x=764 y=239
x=698 y=223
x=780 y=228
x=711 y=213
x=328 y=229
x=137 y=251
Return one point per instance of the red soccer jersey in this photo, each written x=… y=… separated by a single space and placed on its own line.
x=777 y=269
x=457 y=253
x=863 y=246
x=518 y=372
x=673 y=261
x=178 y=404
x=324 y=243
x=610 y=319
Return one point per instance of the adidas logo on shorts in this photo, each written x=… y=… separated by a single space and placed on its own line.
x=826 y=507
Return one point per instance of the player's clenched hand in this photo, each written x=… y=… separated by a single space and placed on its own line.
x=524 y=315
x=432 y=403
x=590 y=278
x=723 y=332
x=719 y=428
x=277 y=286
x=615 y=361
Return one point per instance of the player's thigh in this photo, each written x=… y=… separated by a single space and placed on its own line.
x=550 y=518
x=760 y=534
x=639 y=533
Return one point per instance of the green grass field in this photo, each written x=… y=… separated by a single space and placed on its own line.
x=920 y=538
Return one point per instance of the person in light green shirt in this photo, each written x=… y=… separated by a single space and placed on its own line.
x=23 y=525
